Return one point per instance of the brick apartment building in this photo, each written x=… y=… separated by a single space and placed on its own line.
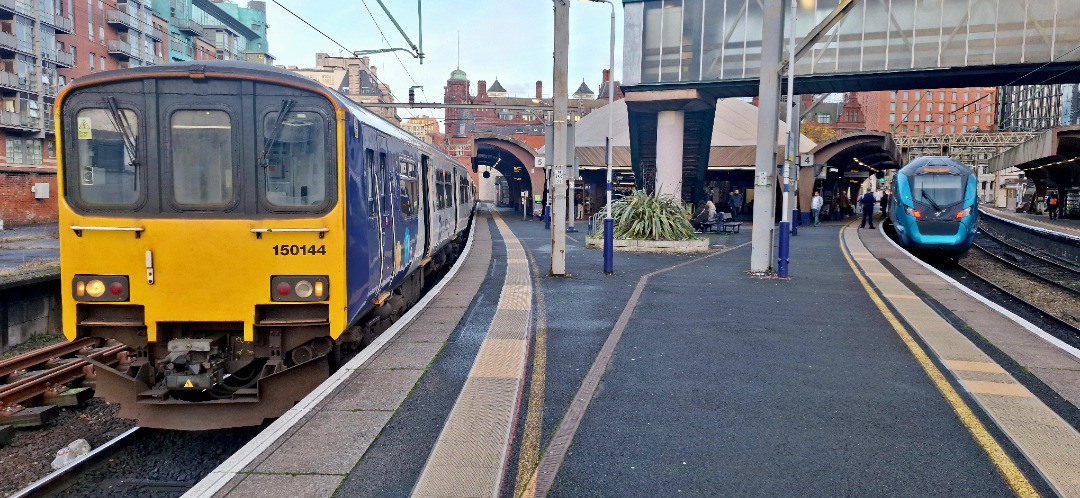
x=942 y=111
x=47 y=44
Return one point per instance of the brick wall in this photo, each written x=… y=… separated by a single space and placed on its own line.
x=17 y=203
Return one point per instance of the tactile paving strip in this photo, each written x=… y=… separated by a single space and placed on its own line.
x=470 y=455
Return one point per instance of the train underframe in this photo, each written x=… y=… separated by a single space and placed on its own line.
x=203 y=375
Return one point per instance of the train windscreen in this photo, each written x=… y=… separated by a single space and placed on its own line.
x=938 y=190
x=106 y=145
x=295 y=158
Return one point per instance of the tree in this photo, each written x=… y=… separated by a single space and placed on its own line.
x=818 y=132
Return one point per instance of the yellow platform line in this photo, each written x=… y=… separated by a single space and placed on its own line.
x=1005 y=466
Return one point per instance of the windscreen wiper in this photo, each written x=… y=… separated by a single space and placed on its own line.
x=275 y=132
x=931 y=199
x=120 y=123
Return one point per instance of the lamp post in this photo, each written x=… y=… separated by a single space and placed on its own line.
x=609 y=222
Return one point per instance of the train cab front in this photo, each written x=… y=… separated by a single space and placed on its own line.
x=938 y=213
x=200 y=225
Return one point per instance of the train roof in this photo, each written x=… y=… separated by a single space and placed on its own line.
x=919 y=165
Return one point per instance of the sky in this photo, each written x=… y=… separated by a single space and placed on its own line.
x=509 y=39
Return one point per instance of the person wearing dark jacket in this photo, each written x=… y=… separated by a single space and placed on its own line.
x=867 y=202
x=884 y=202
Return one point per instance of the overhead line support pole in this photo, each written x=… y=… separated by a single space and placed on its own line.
x=558 y=170
x=790 y=150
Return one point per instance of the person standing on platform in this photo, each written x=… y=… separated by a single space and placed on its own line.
x=1052 y=205
x=867 y=203
x=815 y=207
x=884 y=203
x=735 y=201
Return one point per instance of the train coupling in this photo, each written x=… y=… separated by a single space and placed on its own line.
x=193 y=364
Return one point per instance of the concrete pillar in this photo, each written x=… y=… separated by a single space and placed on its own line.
x=669 y=153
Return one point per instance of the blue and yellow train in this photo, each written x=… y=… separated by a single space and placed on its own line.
x=242 y=229
x=933 y=206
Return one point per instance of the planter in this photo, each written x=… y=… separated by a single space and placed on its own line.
x=662 y=246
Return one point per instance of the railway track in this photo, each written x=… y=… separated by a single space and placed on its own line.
x=1069 y=326
x=143 y=462
x=44 y=376
x=1027 y=261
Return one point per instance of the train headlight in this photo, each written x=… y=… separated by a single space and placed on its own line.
x=963 y=213
x=304 y=289
x=298 y=288
x=101 y=288
x=914 y=213
x=95 y=288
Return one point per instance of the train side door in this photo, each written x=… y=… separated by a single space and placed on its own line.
x=426 y=176
x=386 y=218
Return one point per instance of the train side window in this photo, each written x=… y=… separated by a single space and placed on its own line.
x=440 y=200
x=407 y=188
x=372 y=182
x=106 y=147
x=295 y=160
x=201 y=155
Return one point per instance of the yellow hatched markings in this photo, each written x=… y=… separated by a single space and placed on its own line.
x=1008 y=469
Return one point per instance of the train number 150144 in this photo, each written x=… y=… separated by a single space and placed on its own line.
x=299 y=250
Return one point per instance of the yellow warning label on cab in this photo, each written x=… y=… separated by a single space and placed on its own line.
x=188 y=384
x=85 y=129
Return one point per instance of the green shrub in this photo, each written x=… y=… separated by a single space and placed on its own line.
x=642 y=216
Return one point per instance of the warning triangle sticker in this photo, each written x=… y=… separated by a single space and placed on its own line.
x=188 y=384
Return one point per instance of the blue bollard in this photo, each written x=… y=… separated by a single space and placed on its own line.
x=785 y=242
x=609 y=245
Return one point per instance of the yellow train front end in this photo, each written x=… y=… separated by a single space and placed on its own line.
x=202 y=224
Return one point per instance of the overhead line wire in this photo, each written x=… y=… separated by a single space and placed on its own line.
x=328 y=37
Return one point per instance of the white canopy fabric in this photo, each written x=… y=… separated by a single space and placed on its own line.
x=735 y=126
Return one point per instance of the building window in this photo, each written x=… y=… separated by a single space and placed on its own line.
x=93 y=59
x=952 y=129
x=892 y=106
x=941 y=106
x=90 y=19
x=102 y=63
x=892 y=118
x=824 y=118
x=905 y=107
x=23 y=151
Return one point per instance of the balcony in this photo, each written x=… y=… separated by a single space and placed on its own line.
x=122 y=21
x=18 y=121
x=186 y=26
x=121 y=48
x=154 y=33
x=63 y=25
x=62 y=59
x=10 y=81
x=23 y=7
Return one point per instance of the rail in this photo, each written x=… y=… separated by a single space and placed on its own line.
x=38 y=383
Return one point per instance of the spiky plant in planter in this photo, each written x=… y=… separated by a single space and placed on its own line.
x=642 y=216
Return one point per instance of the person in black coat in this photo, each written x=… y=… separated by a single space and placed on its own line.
x=884 y=202
x=867 y=202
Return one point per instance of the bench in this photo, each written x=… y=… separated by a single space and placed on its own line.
x=726 y=225
x=712 y=225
